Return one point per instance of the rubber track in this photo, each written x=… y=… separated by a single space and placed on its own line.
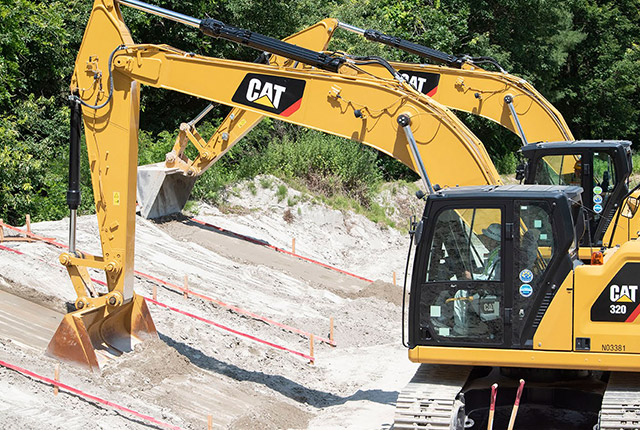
x=430 y=401
x=621 y=402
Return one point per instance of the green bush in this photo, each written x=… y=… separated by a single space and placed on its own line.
x=34 y=159
x=506 y=164
x=325 y=164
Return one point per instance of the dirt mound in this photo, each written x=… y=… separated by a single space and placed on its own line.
x=382 y=290
x=196 y=369
x=279 y=416
x=148 y=364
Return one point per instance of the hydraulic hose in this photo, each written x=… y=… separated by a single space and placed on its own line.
x=73 y=193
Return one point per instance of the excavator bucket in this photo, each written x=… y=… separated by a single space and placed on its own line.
x=161 y=190
x=89 y=337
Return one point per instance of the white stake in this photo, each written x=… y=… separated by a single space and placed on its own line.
x=492 y=408
x=516 y=405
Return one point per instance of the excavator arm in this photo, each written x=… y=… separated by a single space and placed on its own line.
x=106 y=81
x=458 y=83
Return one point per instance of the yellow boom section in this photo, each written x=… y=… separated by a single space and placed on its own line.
x=108 y=71
x=469 y=89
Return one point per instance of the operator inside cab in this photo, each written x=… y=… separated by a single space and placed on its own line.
x=468 y=270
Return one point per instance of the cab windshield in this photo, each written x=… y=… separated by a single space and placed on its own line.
x=466 y=245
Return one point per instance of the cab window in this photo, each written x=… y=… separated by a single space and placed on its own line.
x=559 y=170
x=533 y=252
x=466 y=245
x=536 y=237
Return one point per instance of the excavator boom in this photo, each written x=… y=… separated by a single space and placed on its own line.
x=459 y=84
x=109 y=70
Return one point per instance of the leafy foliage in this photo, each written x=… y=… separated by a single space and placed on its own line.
x=326 y=164
x=583 y=55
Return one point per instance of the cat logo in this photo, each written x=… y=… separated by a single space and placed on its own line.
x=426 y=83
x=282 y=96
x=623 y=293
x=265 y=93
x=618 y=300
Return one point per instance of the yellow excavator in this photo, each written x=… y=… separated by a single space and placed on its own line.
x=458 y=83
x=496 y=278
x=105 y=96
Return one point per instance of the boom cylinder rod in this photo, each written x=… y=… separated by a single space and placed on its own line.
x=73 y=193
x=508 y=99
x=405 y=123
x=214 y=28
x=164 y=13
x=405 y=45
x=351 y=28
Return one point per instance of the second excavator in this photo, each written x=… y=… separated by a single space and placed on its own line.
x=460 y=83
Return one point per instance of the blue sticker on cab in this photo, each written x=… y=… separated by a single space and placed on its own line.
x=597 y=190
x=597 y=199
x=526 y=290
x=526 y=276
x=597 y=208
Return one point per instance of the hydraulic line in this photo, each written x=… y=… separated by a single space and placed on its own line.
x=218 y=29
x=417 y=49
x=73 y=193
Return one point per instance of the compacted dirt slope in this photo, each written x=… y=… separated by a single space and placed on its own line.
x=194 y=369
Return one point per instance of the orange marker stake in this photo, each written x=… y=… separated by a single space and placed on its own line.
x=28 y=218
x=492 y=408
x=210 y=422
x=1 y=230
x=516 y=405
x=311 y=341
x=293 y=245
x=56 y=377
x=186 y=286
x=333 y=343
x=155 y=293
x=394 y=278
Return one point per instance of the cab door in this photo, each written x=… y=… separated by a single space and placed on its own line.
x=459 y=293
x=535 y=275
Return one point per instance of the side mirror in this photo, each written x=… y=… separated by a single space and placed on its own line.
x=521 y=170
x=630 y=207
x=415 y=229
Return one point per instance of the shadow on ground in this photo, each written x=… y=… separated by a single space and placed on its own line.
x=284 y=386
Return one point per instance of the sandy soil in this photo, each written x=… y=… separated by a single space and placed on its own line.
x=195 y=369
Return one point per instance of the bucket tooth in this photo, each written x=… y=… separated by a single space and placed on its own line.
x=88 y=337
x=162 y=191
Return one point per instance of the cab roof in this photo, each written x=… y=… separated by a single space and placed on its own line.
x=511 y=191
x=596 y=144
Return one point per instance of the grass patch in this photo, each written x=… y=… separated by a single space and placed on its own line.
x=341 y=173
x=266 y=183
x=252 y=188
x=191 y=207
x=292 y=201
x=281 y=193
x=635 y=159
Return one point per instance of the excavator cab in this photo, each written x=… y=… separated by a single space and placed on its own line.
x=601 y=168
x=488 y=261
